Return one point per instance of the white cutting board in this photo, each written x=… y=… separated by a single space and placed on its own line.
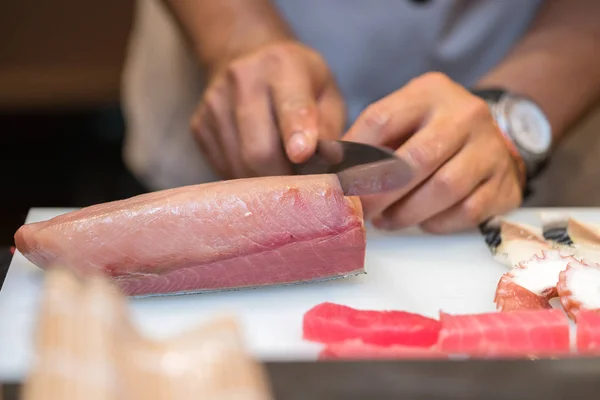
x=407 y=270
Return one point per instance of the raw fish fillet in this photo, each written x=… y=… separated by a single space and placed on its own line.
x=579 y=288
x=514 y=334
x=531 y=284
x=512 y=243
x=331 y=323
x=588 y=332
x=216 y=236
x=358 y=350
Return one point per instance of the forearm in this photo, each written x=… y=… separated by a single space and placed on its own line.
x=557 y=62
x=218 y=29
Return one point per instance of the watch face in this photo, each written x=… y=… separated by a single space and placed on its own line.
x=529 y=126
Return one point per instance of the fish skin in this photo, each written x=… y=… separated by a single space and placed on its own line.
x=221 y=235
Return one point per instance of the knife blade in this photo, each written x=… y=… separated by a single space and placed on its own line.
x=362 y=169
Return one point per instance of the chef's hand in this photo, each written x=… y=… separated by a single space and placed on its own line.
x=265 y=108
x=462 y=169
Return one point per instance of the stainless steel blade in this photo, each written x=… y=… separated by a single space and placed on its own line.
x=332 y=156
x=361 y=168
x=375 y=177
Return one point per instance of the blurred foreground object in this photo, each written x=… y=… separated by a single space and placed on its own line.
x=87 y=348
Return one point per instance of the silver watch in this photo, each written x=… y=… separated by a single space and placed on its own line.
x=524 y=123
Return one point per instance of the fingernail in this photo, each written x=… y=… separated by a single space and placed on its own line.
x=297 y=144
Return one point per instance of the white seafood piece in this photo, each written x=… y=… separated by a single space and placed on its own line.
x=519 y=242
x=579 y=288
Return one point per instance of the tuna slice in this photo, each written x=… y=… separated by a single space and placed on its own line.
x=216 y=236
x=358 y=350
x=514 y=334
x=531 y=284
x=588 y=332
x=579 y=288
x=331 y=323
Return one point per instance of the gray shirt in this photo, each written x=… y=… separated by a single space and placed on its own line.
x=373 y=47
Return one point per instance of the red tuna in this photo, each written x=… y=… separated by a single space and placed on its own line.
x=331 y=323
x=588 y=332
x=517 y=333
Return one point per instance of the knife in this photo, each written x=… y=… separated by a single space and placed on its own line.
x=362 y=169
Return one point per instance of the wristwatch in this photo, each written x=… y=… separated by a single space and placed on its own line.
x=524 y=123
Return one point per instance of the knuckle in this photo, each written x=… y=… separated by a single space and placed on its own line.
x=421 y=157
x=211 y=102
x=476 y=108
x=240 y=70
x=436 y=77
x=277 y=54
x=446 y=184
x=376 y=117
x=473 y=211
x=432 y=79
x=298 y=104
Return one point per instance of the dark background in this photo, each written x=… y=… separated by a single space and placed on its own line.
x=61 y=127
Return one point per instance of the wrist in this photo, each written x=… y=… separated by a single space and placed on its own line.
x=220 y=30
x=526 y=130
x=518 y=160
x=234 y=46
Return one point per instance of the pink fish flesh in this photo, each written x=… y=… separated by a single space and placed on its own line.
x=215 y=236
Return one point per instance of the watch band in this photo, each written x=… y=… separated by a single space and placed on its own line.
x=492 y=96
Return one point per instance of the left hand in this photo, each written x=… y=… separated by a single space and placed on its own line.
x=463 y=172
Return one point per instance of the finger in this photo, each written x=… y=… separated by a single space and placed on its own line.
x=203 y=129
x=219 y=106
x=494 y=197
x=391 y=120
x=294 y=104
x=332 y=113
x=424 y=153
x=449 y=185
x=260 y=142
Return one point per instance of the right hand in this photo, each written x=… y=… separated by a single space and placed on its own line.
x=265 y=108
